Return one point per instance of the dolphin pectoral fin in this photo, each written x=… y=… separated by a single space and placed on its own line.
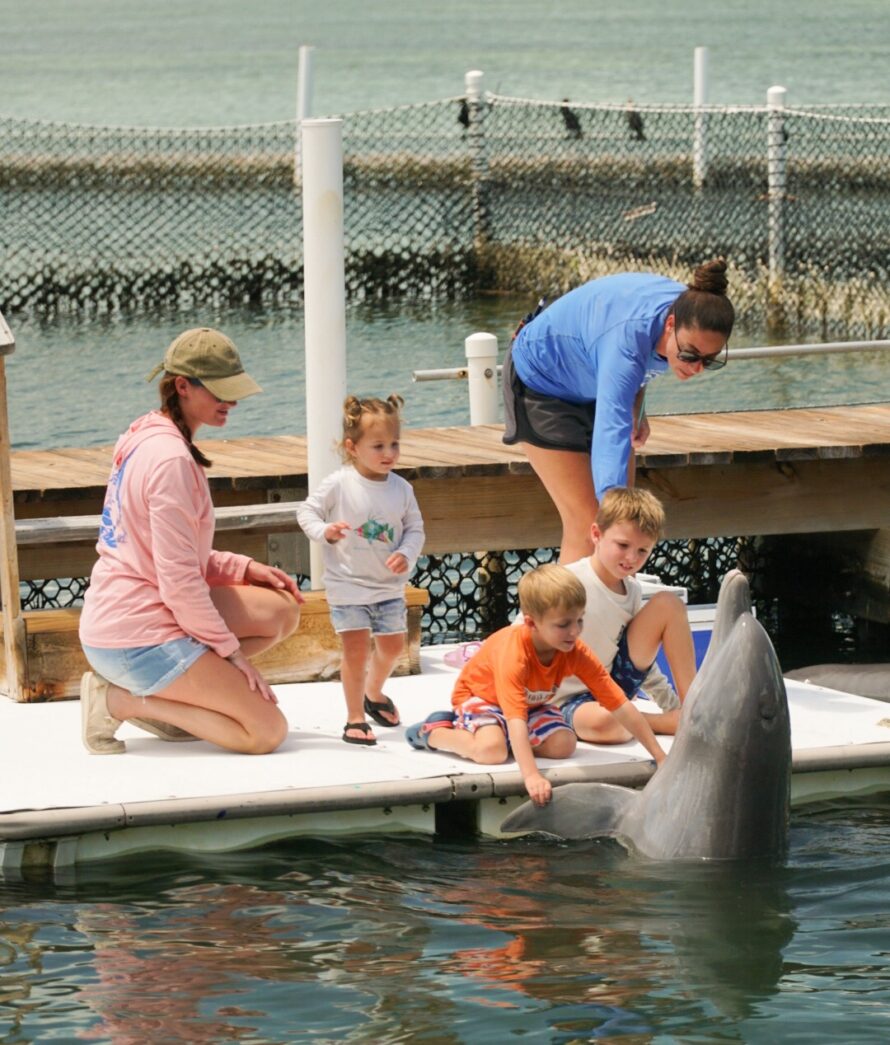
x=574 y=811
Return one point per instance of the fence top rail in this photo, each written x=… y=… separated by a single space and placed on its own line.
x=757 y=352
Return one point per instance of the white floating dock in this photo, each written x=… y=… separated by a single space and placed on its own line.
x=60 y=805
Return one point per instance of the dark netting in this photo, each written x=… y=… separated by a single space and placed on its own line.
x=474 y=594
x=53 y=594
x=450 y=198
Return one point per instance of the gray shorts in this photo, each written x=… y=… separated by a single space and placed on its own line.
x=541 y=420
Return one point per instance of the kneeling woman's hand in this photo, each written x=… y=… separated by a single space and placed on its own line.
x=254 y=679
x=272 y=577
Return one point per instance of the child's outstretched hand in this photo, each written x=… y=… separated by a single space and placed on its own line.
x=397 y=563
x=336 y=532
x=539 y=789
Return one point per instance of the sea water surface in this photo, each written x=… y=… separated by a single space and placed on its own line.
x=415 y=939
x=410 y=939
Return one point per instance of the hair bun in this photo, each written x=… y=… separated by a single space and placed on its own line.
x=710 y=277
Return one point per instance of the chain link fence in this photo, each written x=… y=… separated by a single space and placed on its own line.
x=450 y=198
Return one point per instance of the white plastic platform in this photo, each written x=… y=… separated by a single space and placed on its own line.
x=61 y=805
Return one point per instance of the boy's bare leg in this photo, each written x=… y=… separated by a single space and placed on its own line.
x=597 y=726
x=560 y=744
x=664 y=722
x=487 y=746
x=663 y=622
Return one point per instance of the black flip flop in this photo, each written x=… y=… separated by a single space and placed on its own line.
x=375 y=707
x=365 y=741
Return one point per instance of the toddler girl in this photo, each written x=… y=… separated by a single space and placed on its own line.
x=371 y=531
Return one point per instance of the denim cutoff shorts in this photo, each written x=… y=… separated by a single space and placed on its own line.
x=389 y=617
x=144 y=670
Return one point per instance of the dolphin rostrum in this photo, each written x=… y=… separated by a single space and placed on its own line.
x=723 y=792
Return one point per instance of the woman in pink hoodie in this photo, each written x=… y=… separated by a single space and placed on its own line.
x=165 y=615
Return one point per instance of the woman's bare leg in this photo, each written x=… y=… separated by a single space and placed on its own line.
x=568 y=480
x=260 y=617
x=213 y=701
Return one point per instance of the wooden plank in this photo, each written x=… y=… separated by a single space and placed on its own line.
x=763 y=498
x=56 y=662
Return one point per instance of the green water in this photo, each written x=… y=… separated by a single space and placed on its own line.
x=413 y=939
x=79 y=382
x=409 y=939
x=213 y=62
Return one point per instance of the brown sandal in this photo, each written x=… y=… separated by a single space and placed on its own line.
x=363 y=727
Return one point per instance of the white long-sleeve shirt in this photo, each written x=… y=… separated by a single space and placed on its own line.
x=383 y=518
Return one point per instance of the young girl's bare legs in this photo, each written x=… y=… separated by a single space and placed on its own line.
x=367 y=664
x=387 y=649
x=353 y=671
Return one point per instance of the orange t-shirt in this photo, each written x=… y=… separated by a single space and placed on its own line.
x=506 y=671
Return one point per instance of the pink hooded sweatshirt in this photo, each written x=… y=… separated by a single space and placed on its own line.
x=156 y=564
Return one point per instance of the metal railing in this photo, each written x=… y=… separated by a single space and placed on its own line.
x=482 y=368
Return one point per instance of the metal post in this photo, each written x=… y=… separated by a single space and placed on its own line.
x=13 y=622
x=776 y=156
x=479 y=162
x=700 y=131
x=482 y=362
x=304 y=102
x=324 y=283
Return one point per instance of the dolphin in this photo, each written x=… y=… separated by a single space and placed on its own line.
x=723 y=792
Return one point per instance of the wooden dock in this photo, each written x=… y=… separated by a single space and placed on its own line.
x=730 y=474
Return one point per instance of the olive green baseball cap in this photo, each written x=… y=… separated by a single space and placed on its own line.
x=212 y=358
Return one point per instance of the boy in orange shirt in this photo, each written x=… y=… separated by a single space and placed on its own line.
x=502 y=699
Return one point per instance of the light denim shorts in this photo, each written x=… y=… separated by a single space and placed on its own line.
x=144 y=670
x=389 y=617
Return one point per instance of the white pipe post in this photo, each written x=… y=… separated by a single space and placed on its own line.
x=776 y=158
x=14 y=639
x=304 y=102
x=324 y=283
x=700 y=131
x=482 y=375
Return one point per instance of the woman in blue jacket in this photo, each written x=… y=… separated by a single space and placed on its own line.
x=575 y=375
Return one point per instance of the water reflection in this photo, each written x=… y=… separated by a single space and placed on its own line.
x=412 y=939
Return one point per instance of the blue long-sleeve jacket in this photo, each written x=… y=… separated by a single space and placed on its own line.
x=597 y=343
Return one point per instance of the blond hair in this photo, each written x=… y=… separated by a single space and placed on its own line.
x=355 y=410
x=550 y=587
x=623 y=504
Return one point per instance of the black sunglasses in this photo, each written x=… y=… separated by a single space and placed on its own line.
x=692 y=355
